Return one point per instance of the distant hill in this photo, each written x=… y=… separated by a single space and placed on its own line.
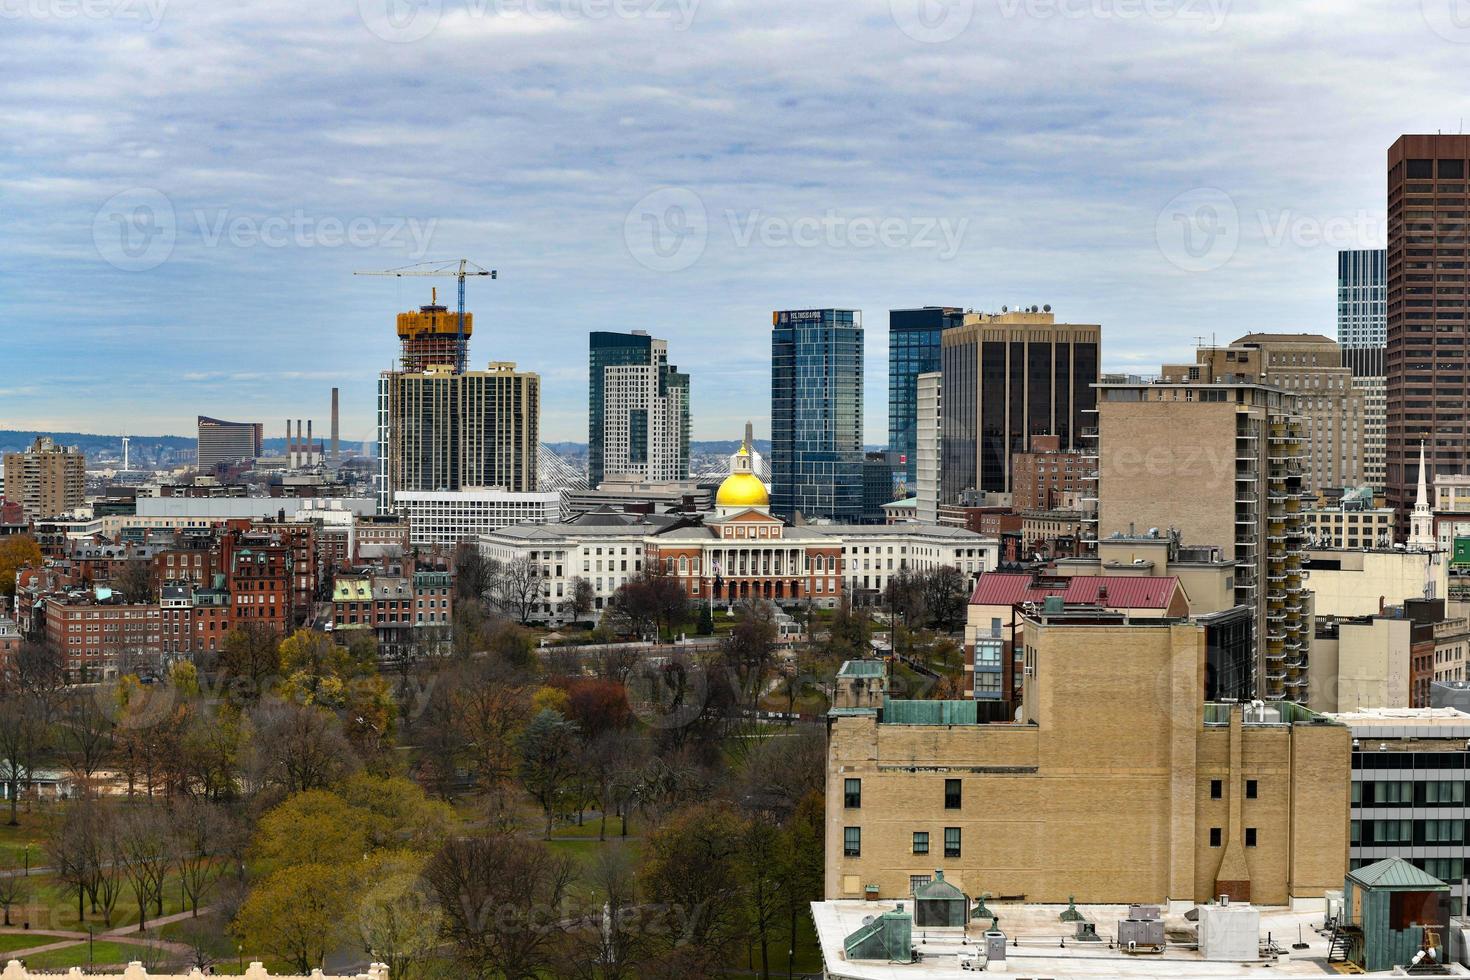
x=144 y=449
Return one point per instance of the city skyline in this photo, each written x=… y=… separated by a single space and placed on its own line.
x=1067 y=194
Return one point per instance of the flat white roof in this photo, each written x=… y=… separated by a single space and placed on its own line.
x=1041 y=952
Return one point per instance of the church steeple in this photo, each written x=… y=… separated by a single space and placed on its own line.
x=1421 y=523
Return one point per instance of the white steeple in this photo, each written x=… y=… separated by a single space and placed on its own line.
x=1421 y=523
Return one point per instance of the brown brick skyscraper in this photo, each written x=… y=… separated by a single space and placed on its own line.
x=1428 y=360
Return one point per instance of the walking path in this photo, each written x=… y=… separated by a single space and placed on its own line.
x=127 y=935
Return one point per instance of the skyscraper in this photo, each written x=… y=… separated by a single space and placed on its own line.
x=1362 y=319
x=1007 y=377
x=226 y=442
x=817 y=414
x=439 y=429
x=1428 y=297
x=913 y=349
x=637 y=409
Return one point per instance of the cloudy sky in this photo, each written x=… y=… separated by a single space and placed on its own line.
x=186 y=186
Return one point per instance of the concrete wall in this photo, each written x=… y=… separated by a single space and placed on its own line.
x=1369 y=580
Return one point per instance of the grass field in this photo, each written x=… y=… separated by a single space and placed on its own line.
x=102 y=954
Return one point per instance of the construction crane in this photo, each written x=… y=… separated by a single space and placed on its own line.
x=459 y=270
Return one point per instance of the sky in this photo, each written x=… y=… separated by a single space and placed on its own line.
x=187 y=186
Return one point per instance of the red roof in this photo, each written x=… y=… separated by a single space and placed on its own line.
x=1109 y=591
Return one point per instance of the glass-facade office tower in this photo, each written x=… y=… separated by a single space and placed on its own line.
x=817 y=414
x=1007 y=377
x=913 y=349
x=1428 y=358
x=1362 y=315
x=637 y=409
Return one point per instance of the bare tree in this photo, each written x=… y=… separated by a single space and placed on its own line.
x=85 y=738
x=580 y=598
x=23 y=739
x=145 y=848
x=136 y=580
x=298 y=747
x=496 y=893
x=14 y=890
x=201 y=834
x=516 y=588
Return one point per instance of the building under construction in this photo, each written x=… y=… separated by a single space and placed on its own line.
x=444 y=429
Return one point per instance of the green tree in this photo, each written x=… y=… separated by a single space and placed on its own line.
x=706 y=624
x=397 y=920
x=297 y=914
x=694 y=864
x=548 y=756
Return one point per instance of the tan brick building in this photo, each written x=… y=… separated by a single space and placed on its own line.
x=46 y=479
x=1221 y=463
x=1118 y=784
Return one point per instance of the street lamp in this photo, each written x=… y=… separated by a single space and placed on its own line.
x=28 y=859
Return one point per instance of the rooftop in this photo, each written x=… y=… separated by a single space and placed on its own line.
x=1111 y=591
x=1039 y=944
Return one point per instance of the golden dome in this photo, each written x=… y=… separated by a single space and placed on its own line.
x=742 y=490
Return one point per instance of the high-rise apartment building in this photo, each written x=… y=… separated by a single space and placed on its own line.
x=926 y=447
x=817 y=414
x=227 y=442
x=443 y=430
x=637 y=409
x=1366 y=364
x=1221 y=463
x=1008 y=377
x=913 y=349
x=1333 y=409
x=1361 y=297
x=47 y=480
x=1428 y=296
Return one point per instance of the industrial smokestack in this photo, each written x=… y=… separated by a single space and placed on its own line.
x=310 y=446
x=336 y=451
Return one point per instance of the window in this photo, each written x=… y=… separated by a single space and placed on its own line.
x=921 y=842
x=918 y=881
x=852 y=793
x=951 y=794
x=1216 y=789
x=1214 y=836
x=1250 y=789
x=1250 y=837
x=852 y=842
x=951 y=842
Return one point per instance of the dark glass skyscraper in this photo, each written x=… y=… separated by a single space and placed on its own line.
x=817 y=414
x=913 y=349
x=1007 y=377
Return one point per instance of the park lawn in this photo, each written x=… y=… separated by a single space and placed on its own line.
x=102 y=953
x=808 y=959
x=10 y=943
x=34 y=830
x=62 y=902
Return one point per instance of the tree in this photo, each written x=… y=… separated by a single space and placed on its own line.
x=23 y=740
x=298 y=747
x=202 y=833
x=85 y=738
x=473 y=574
x=136 y=580
x=397 y=920
x=249 y=657
x=14 y=891
x=145 y=847
x=580 y=598
x=694 y=864
x=16 y=551
x=610 y=946
x=597 y=706
x=751 y=646
x=548 y=755
x=706 y=624
x=516 y=589
x=297 y=914
x=653 y=603
x=501 y=897
x=946 y=597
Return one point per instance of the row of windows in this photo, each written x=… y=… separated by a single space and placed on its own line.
x=1433 y=792
x=852 y=794
x=852 y=842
